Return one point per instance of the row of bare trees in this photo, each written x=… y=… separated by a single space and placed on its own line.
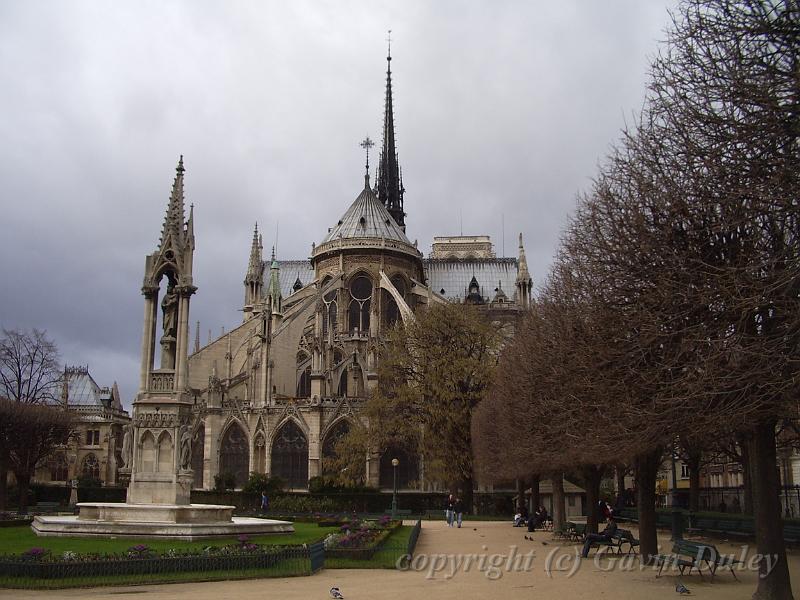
x=672 y=312
x=31 y=425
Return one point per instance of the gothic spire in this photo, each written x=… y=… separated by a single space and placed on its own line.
x=390 y=190
x=174 y=219
x=254 y=265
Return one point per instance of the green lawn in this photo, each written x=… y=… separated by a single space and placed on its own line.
x=15 y=540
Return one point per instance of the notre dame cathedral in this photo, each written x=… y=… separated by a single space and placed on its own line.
x=273 y=394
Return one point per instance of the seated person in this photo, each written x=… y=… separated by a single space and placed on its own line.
x=521 y=518
x=539 y=517
x=603 y=536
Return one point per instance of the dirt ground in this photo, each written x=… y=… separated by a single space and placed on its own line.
x=551 y=571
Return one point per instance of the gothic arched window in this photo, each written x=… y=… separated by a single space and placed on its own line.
x=358 y=310
x=234 y=455
x=304 y=384
x=329 y=312
x=59 y=469
x=337 y=432
x=90 y=466
x=290 y=456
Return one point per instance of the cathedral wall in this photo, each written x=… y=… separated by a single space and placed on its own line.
x=283 y=352
x=201 y=363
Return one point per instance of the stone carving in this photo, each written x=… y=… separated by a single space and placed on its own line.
x=186 y=449
x=127 y=446
x=169 y=306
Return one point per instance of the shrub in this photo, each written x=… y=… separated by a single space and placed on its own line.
x=224 y=481
x=259 y=482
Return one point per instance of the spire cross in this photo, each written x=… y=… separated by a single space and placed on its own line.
x=367 y=144
x=389 y=41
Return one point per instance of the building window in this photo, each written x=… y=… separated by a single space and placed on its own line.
x=92 y=437
x=571 y=500
x=59 y=469
x=684 y=471
x=91 y=468
x=358 y=311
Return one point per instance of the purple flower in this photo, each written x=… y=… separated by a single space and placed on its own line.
x=243 y=539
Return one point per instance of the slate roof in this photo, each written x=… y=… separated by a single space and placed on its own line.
x=367 y=217
x=453 y=275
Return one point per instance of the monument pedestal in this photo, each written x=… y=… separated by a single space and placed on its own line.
x=169 y=521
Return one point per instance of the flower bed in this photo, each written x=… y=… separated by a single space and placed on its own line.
x=359 y=540
x=39 y=563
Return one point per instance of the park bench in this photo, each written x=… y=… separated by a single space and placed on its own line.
x=722 y=526
x=625 y=536
x=47 y=507
x=791 y=533
x=617 y=541
x=693 y=555
x=577 y=532
x=566 y=531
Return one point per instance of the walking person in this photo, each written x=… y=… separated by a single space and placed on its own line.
x=449 y=510
x=458 y=507
x=264 y=501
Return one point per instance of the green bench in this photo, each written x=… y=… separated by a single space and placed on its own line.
x=791 y=533
x=692 y=555
x=47 y=507
x=617 y=541
x=566 y=532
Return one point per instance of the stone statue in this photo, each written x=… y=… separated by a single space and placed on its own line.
x=186 y=449
x=169 y=306
x=127 y=446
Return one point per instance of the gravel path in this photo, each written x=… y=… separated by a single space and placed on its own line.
x=441 y=575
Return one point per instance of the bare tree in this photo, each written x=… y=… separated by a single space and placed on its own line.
x=29 y=374
x=29 y=433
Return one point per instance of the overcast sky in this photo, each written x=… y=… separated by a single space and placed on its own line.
x=502 y=110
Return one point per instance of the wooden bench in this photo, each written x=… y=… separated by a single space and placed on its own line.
x=693 y=555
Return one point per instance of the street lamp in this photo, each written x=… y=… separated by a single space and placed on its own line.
x=395 y=462
x=677 y=517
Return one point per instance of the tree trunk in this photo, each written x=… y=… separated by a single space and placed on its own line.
x=520 y=493
x=591 y=479
x=619 y=471
x=559 y=512
x=3 y=483
x=747 y=480
x=694 y=490
x=773 y=583
x=693 y=461
x=23 y=485
x=536 y=498
x=465 y=493
x=646 y=467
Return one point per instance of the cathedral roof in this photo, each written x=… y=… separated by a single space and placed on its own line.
x=367 y=217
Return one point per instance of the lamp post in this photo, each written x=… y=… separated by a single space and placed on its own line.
x=395 y=462
x=677 y=517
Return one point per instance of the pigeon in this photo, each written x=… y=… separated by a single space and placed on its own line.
x=544 y=543
x=336 y=594
x=682 y=589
